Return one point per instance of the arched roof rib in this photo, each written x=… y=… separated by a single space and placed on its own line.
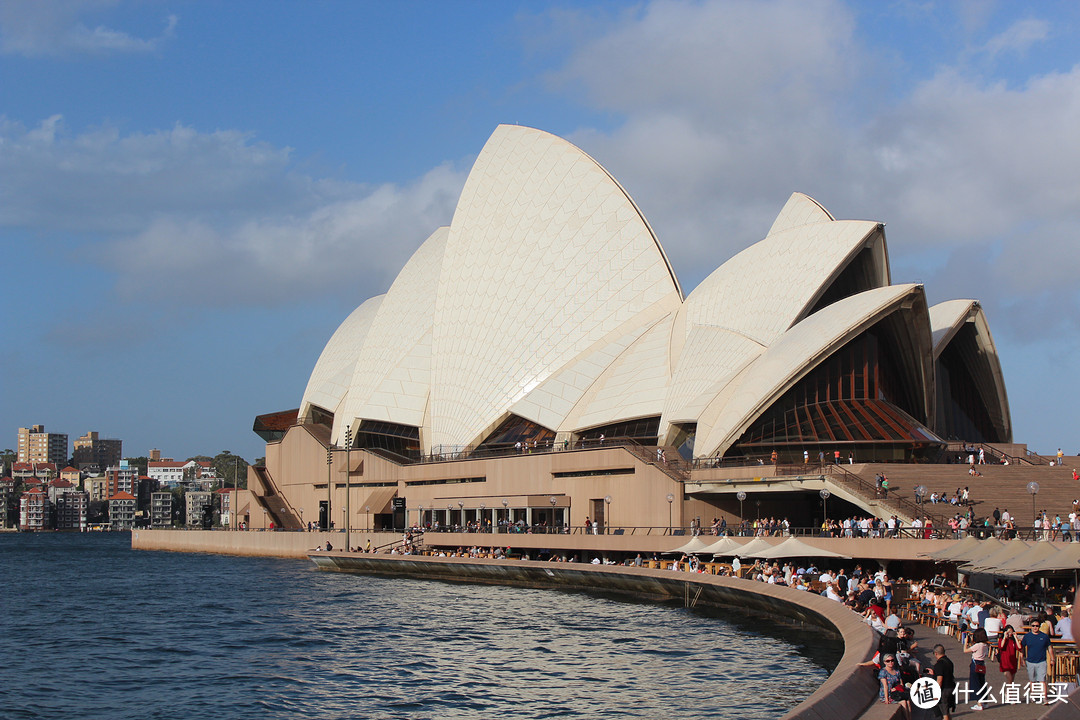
x=330 y=380
x=546 y=255
x=799 y=351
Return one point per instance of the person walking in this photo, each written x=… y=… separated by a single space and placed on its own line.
x=1038 y=654
x=1008 y=654
x=946 y=679
x=975 y=643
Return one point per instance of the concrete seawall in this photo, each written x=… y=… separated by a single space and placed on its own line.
x=268 y=544
x=848 y=693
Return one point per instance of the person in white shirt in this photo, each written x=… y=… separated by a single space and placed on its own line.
x=1063 y=629
x=826 y=577
x=993 y=624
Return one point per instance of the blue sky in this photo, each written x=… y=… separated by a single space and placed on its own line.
x=193 y=195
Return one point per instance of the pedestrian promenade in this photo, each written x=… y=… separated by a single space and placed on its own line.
x=997 y=710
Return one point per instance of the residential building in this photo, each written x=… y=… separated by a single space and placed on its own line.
x=9 y=502
x=197 y=501
x=189 y=473
x=56 y=488
x=161 y=507
x=34 y=510
x=72 y=474
x=40 y=470
x=36 y=445
x=96 y=487
x=90 y=449
x=121 y=478
x=71 y=510
x=224 y=501
x=121 y=511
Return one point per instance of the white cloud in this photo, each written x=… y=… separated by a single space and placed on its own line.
x=1018 y=37
x=37 y=28
x=728 y=107
x=213 y=218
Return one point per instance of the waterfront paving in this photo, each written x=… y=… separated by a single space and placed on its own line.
x=927 y=638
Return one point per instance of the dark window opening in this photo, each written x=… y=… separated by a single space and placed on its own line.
x=401 y=440
x=967 y=403
x=642 y=430
x=516 y=429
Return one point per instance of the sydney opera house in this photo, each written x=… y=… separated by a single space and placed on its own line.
x=538 y=362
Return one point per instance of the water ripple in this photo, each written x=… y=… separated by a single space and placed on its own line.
x=163 y=635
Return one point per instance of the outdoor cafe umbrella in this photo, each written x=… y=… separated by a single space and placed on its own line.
x=1066 y=558
x=1007 y=552
x=725 y=546
x=1020 y=565
x=986 y=548
x=956 y=551
x=793 y=547
x=754 y=548
x=696 y=545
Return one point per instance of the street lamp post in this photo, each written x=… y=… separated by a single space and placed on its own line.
x=483 y=507
x=420 y=516
x=670 y=499
x=302 y=525
x=553 y=501
x=461 y=514
x=329 y=484
x=348 y=489
x=1033 y=488
x=367 y=511
x=758 y=503
x=742 y=496
x=450 y=516
x=506 y=513
x=607 y=524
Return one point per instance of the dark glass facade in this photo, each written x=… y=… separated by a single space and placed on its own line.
x=968 y=408
x=403 y=440
x=642 y=430
x=515 y=429
x=860 y=401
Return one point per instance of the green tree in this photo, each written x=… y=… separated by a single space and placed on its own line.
x=141 y=462
x=7 y=459
x=231 y=468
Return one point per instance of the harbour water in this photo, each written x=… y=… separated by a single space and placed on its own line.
x=93 y=629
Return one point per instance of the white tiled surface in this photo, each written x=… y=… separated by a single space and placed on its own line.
x=549 y=297
x=761 y=291
x=946 y=318
x=799 y=210
x=797 y=352
x=633 y=386
x=329 y=381
x=392 y=374
x=546 y=255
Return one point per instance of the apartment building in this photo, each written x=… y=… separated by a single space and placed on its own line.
x=36 y=445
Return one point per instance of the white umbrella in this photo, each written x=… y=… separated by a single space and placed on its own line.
x=793 y=547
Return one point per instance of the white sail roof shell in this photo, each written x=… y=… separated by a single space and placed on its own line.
x=391 y=377
x=332 y=376
x=549 y=297
x=787 y=360
x=753 y=298
x=546 y=255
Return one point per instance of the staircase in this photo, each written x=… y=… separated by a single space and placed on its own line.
x=1000 y=486
x=273 y=502
x=675 y=467
x=895 y=504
